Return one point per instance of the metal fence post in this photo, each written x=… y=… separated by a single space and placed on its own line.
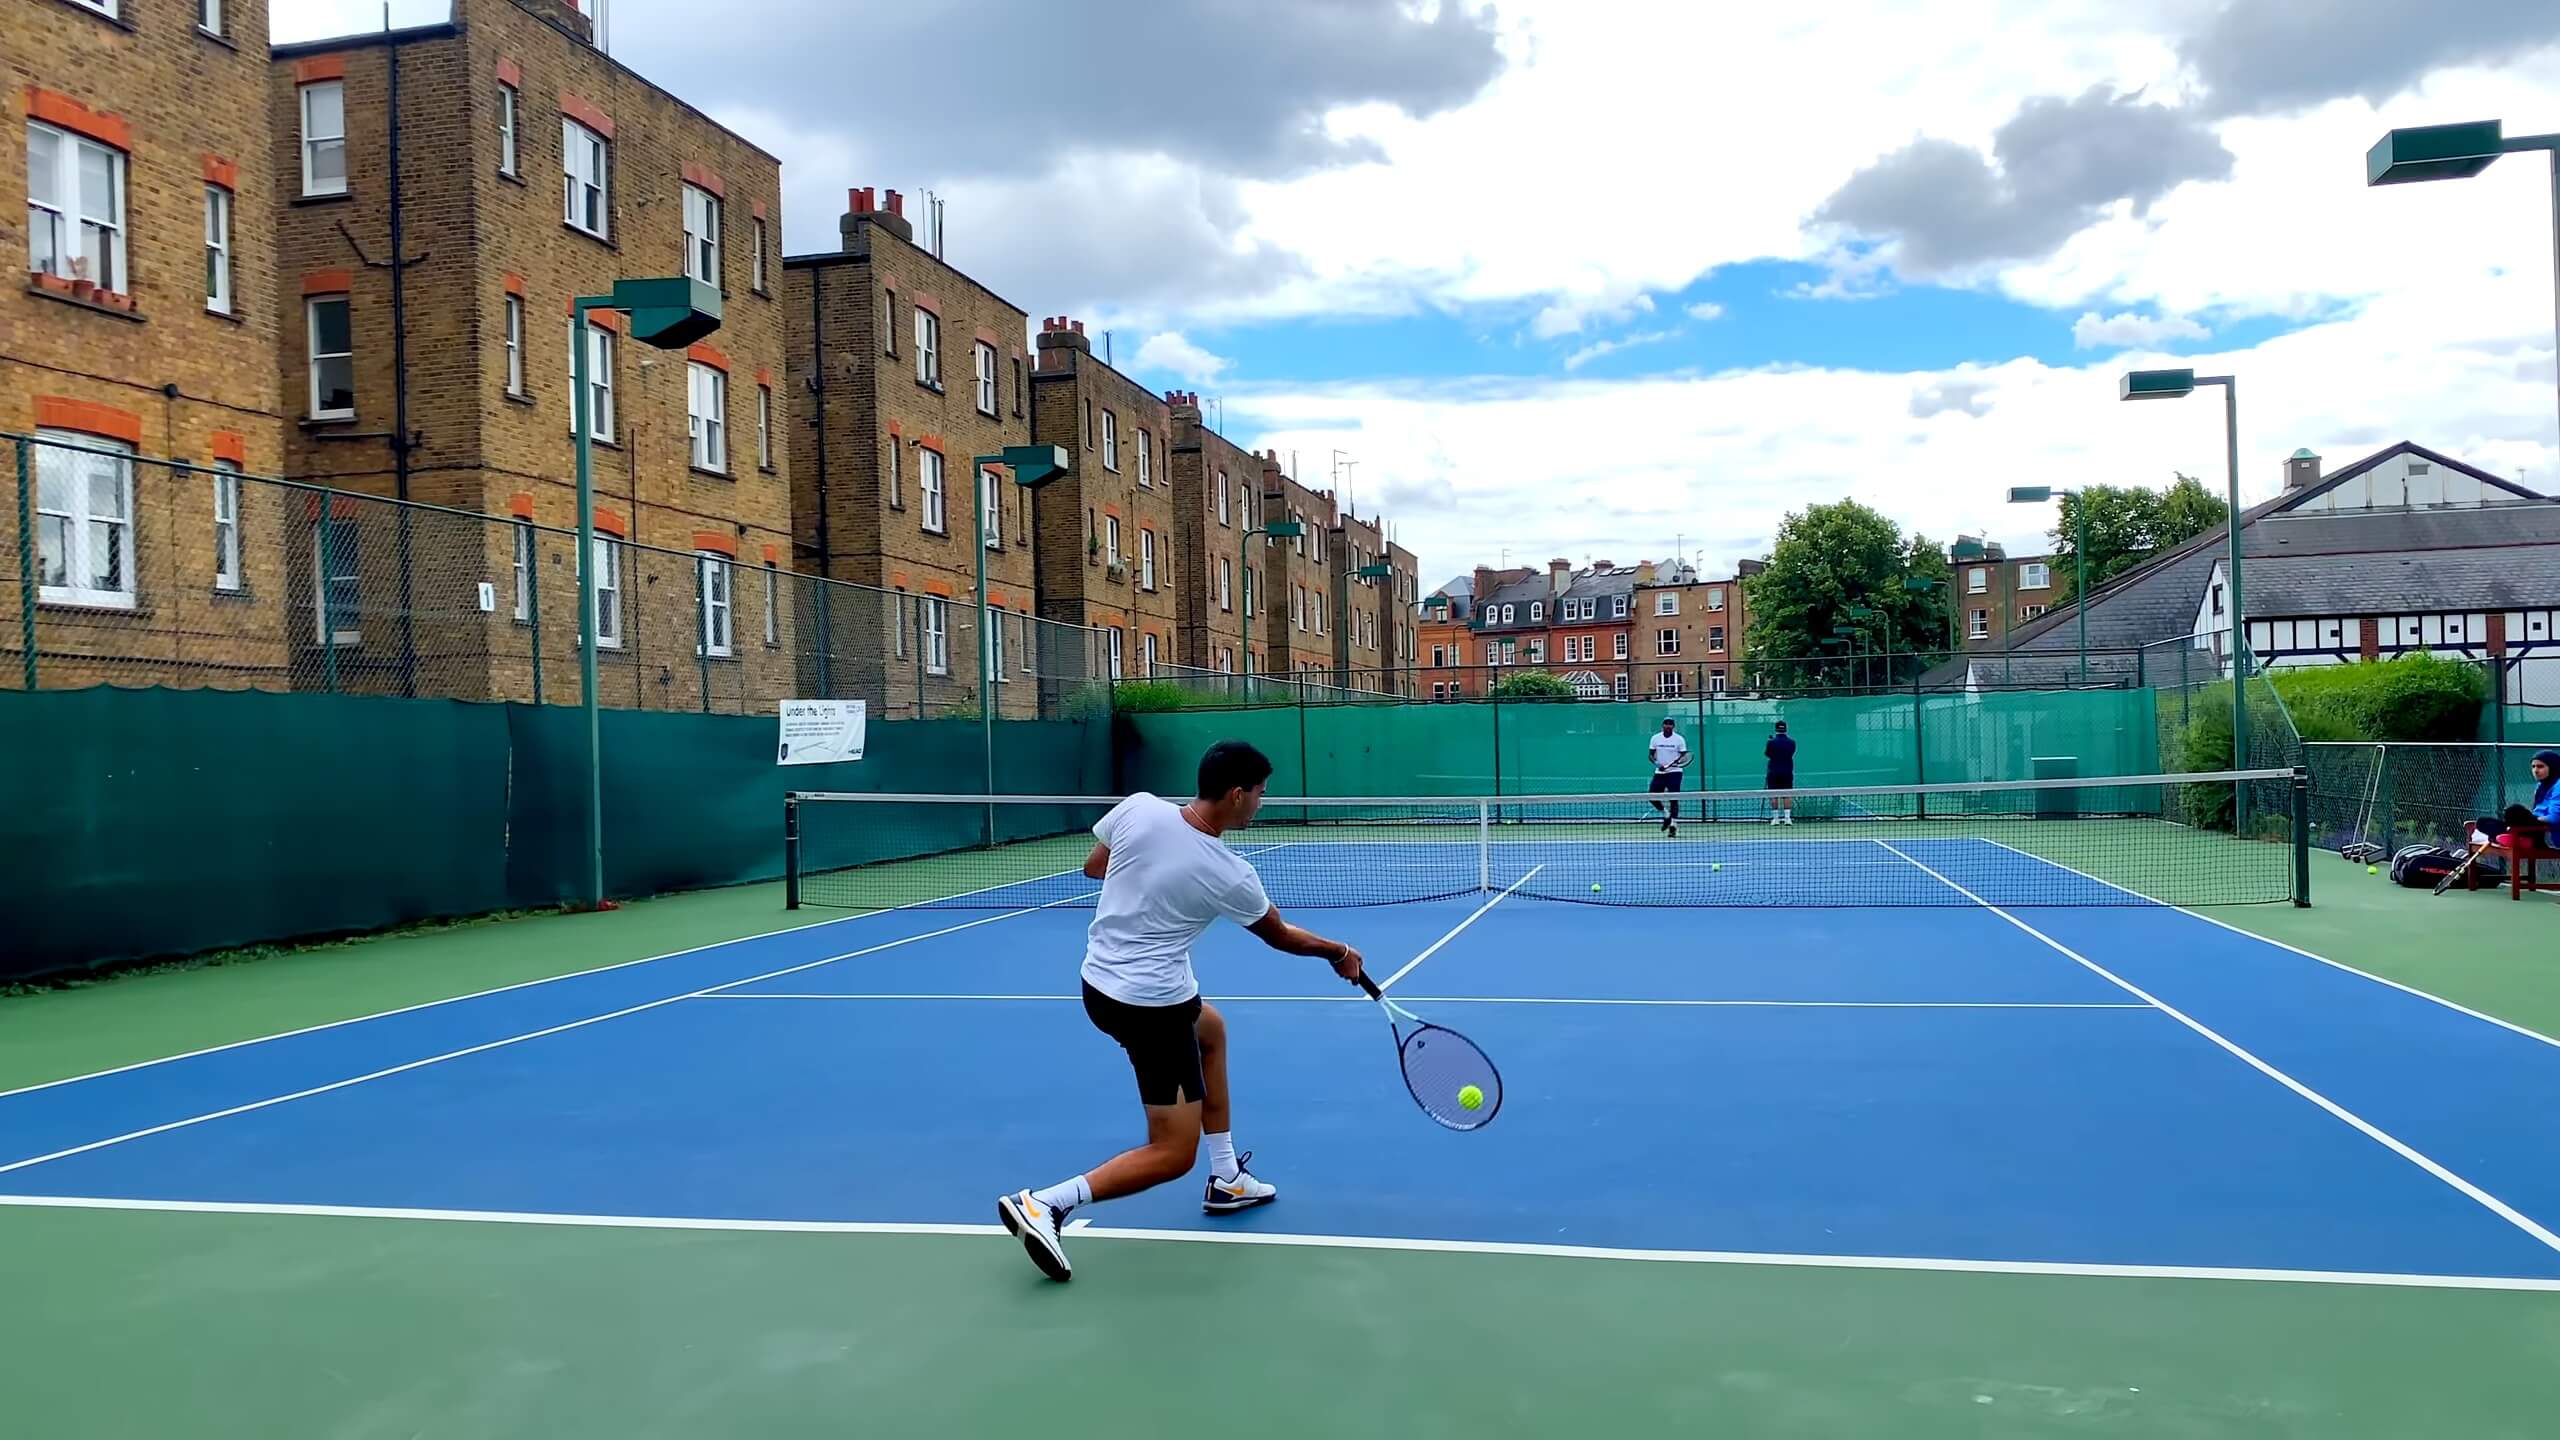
x=790 y=852
x=702 y=624
x=533 y=600
x=1919 y=743
x=2301 y=836
x=26 y=565
x=328 y=620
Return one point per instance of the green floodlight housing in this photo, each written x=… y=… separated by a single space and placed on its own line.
x=1921 y=584
x=2157 y=385
x=2434 y=152
x=1035 y=465
x=1374 y=572
x=2029 y=494
x=1968 y=549
x=1284 y=529
x=669 y=313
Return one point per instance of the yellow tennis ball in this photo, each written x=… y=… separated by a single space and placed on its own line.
x=2373 y=869
x=1595 y=887
x=1717 y=866
x=1471 y=1098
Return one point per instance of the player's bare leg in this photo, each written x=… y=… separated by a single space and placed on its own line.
x=1231 y=1187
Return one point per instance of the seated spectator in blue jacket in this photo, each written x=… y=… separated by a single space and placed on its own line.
x=2537 y=818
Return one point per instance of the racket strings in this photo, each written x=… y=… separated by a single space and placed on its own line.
x=1440 y=1066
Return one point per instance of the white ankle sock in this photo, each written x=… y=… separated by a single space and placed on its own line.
x=1222 y=1154
x=1065 y=1195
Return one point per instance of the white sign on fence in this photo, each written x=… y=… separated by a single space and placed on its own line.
x=820 y=732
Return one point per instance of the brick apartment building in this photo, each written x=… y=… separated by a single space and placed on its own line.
x=1688 y=632
x=903 y=369
x=1445 y=633
x=1297 y=623
x=146 y=332
x=1360 y=601
x=1996 y=593
x=1216 y=487
x=1590 y=641
x=1512 y=620
x=446 y=191
x=1404 y=639
x=1107 y=530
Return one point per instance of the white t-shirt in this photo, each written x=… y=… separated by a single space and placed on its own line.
x=1668 y=752
x=1166 y=883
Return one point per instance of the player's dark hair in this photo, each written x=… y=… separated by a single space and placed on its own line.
x=1229 y=766
x=1782 y=724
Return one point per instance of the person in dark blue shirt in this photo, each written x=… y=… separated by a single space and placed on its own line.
x=1781 y=755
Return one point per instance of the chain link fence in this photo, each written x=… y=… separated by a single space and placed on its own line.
x=119 y=570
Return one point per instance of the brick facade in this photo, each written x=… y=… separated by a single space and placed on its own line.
x=1109 y=553
x=1359 y=612
x=1215 y=485
x=158 y=367
x=1297 y=623
x=879 y=415
x=1706 y=621
x=475 y=350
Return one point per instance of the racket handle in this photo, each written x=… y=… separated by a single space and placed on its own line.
x=1370 y=986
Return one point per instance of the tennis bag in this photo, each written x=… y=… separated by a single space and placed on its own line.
x=2420 y=866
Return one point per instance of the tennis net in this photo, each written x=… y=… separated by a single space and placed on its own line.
x=2122 y=840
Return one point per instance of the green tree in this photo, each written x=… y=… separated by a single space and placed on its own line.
x=1829 y=559
x=1533 y=685
x=2129 y=524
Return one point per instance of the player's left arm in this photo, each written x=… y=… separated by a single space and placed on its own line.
x=1290 y=939
x=1097 y=862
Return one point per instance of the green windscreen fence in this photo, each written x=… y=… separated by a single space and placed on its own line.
x=1565 y=747
x=138 y=823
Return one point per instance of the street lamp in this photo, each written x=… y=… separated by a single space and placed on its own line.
x=668 y=314
x=2177 y=385
x=2037 y=495
x=1033 y=466
x=2458 y=152
x=1276 y=530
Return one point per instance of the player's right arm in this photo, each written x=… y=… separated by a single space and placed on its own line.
x=1290 y=939
x=1097 y=862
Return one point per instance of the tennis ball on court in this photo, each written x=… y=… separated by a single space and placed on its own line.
x=1470 y=1098
x=2373 y=869
x=1717 y=865
x=1595 y=887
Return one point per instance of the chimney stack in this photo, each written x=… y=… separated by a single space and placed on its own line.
x=1484 y=585
x=1559 y=576
x=569 y=15
x=1057 y=343
x=1644 y=572
x=2301 y=470
x=862 y=207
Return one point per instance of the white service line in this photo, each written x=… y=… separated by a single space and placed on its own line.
x=1084 y=1229
x=2375 y=1133
x=513 y=1039
x=1454 y=930
x=1508 y=1000
x=2454 y=1005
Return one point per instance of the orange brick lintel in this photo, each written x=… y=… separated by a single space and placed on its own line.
x=510 y=73
x=319 y=67
x=772 y=555
x=514 y=284
x=329 y=282
x=704 y=177
x=937 y=586
x=612 y=523
x=932 y=443
x=218 y=171
x=520 y=505
x=54 y=108
x=764 y=376
x=586 y=113
x=53 y=412
x=704 y=353
x=716 y=543
x=231 y=445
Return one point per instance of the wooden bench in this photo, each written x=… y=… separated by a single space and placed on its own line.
x=2524 y=846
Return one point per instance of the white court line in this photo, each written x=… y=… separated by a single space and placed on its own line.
x=1084 y=1228
x=1507 y=1000
x=2483 y=1198
x=492 y=990
x=513 y=1039
x=1454 y=930
x=2453 y=1005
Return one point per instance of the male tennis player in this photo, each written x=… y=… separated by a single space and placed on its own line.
x=1166 y=876
x=1670 y=756
x=1781 y=754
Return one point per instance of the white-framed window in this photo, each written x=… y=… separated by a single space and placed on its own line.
x=586 y=179
x=1226 y=573
x=507 y=106
x=1666 y=641
x=1715 y=638
x=888 y=321
x=208 y=15
x=993 y=619
x=337 y=550
x=512 y=312
x=599 y=381
x=1977 y=579
x=1715 y=597
x=523 y=569
x=75 y=207
x=1110 y=441
x=1146 y=559
x=1315 y=611
x=1147 y=653
x=928 y=347
x=1537 y=611
x=2030 y=612
x=929 y=489
x=1298 y=607
x=226 y=525
x=772 y=607
x=324 y=138
x=1439 y=657
x=608 y=583
x=1222 y=497
x=1618 y=686
x=702 y=235
x=1667 y=684
x=982 y=369
x=1715 y=682
x=333 y=358
x=84 y=520
x=991 y=508
x=1667 y=603
x=1115 y=652
x=757 y=234
x=1978 y=625
x=897 y=466
x=937 y=635
x=1110 y=539
x=217 y=250
x=1537 y=652
x=1146 y=447
x=1247 y=581
x=719 y=604
x=1245 y=513
x=706 y=415
x=764 y=427
x=2035 y=575
x=1507 y=611
x=1618 y=646
x=1617 y=607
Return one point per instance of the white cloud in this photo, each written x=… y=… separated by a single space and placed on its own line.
x=1598 y=348
x=2093 y=331
x=1570 y=313
x=1170 y=352
x=1706 y=310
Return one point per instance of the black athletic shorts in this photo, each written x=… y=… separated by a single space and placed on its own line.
x=1665 y=780
x=1780 y=780
x=1163 y=1042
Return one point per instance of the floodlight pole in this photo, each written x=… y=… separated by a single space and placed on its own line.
x=2239 y=623
x=590 y=721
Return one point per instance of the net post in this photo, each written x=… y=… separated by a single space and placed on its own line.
x=790 y=852
x=1484 y=846
x=2301 y=837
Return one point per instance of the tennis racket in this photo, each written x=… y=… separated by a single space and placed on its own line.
x=1441 y=1067
x=2458 y=871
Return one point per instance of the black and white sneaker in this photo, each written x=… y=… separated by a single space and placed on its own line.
x=1037 y=1227
x=1242 y=1193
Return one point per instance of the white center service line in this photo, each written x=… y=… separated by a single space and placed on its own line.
x=2375 y=1133
x=1455 y=930
x=518 y=1039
